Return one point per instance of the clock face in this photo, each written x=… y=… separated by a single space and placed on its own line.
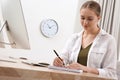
x=49 y=28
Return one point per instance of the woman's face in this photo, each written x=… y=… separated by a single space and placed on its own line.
x=88 y=18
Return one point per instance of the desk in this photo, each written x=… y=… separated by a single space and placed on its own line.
x=21 y=71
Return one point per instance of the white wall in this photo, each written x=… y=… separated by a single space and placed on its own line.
x=63 y=11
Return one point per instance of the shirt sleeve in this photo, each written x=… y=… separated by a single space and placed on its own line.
x=68 y=47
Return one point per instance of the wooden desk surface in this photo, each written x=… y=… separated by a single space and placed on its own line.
x=21 y=71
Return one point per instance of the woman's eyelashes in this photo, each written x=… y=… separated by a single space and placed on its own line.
x=88 y=19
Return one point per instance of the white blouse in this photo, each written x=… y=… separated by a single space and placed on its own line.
x=102 y=54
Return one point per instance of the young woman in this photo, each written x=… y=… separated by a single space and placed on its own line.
x=92 y=50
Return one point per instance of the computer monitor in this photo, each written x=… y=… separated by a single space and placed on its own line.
x=1 y=38
x=13 y=14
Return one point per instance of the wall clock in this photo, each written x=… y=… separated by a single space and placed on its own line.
x=49 y=28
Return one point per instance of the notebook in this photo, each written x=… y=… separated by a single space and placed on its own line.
x=7 y=59
x=35 y=63
x=64 y=69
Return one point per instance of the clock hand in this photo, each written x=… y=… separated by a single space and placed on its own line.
x=49 y=26
x=52 y=26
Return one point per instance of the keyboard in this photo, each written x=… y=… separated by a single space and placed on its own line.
x=64 y=69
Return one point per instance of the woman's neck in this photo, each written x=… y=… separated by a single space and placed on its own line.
x=89 y=36
x=94 y=31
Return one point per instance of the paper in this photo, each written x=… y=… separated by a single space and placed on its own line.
x=65 y=69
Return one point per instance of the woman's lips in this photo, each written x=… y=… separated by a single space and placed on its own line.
x=85 y=26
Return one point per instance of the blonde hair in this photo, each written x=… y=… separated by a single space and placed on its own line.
x=93 y=5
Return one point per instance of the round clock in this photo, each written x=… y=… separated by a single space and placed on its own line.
x=49 y=27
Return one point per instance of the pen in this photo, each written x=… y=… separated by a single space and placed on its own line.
x=58 y=56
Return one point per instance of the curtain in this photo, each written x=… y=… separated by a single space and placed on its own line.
x=111 y=19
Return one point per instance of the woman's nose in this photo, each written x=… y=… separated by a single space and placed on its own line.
x=86 y=22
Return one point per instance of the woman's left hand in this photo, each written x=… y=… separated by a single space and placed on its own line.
x=74 y=66
x=82 y=67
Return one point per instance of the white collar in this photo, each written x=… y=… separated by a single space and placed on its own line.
x=101 y=33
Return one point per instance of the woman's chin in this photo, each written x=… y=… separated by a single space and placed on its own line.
x=86 y=28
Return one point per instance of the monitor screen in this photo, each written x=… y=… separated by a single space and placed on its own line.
x=13 y=14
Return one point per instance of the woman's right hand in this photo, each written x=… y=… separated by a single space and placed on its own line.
x=58 y=62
